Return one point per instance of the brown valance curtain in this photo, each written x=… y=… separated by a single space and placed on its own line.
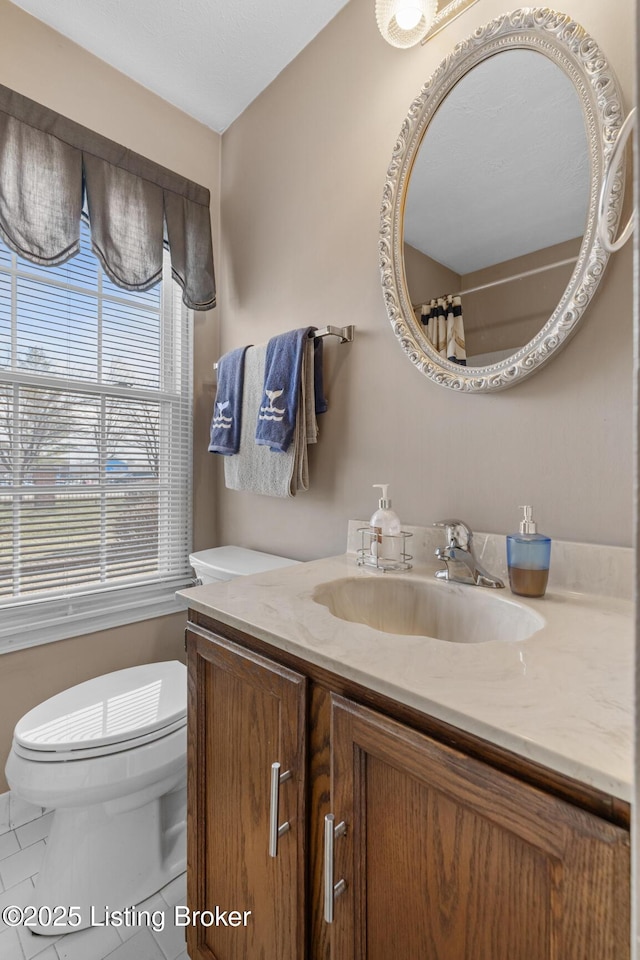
x=50 y=167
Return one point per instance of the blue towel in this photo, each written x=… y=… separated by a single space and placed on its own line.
x=279 y=407
x=318 y=382
x=227 y=407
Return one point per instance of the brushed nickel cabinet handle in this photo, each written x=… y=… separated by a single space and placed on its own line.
x=275 y=830
x=331 y=889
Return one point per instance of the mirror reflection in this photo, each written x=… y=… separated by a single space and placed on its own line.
x=496 y=207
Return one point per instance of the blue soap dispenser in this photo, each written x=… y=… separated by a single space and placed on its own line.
x=528 y=557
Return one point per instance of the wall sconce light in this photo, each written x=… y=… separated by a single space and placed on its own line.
x=404 y=23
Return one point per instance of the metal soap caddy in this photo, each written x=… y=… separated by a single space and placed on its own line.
x=366 y=557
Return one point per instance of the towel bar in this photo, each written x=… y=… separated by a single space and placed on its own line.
x=345 y=335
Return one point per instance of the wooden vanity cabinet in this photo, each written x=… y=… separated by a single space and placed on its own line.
x=245 y=714
x=444 y=857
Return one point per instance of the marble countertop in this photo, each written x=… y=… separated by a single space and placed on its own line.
x=562 y=698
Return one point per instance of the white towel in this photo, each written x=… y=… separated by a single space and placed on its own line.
x=257 y=468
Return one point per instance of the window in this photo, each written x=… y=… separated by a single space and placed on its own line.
x=95 y=446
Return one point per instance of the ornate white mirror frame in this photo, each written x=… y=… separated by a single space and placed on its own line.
x=567 y=44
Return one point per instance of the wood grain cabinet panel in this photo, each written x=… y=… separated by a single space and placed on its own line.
x=445 y=856
x=446 y=859
x=245 y=713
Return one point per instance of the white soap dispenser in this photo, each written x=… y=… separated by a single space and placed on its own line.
x=385 y=530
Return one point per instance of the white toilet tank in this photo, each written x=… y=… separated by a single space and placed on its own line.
x=225 y=563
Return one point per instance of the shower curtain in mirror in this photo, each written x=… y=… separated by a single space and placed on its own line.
x=444 y=327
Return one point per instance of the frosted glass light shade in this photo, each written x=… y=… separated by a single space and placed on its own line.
x=403 y=23
x=408 y=17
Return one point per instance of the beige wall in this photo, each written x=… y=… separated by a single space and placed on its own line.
x=302 y=171
x=508 y=316
x=302 y=176
x=496 y=318
x=43 y=65
x=426 y=278
x=501 y=317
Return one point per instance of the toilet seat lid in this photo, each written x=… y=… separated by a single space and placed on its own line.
x=114 y=708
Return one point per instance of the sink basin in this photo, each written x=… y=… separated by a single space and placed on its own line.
x=447 y=611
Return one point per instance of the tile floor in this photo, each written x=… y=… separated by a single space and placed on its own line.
x=23 y=835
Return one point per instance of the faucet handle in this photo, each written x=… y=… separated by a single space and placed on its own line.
x=457 y=532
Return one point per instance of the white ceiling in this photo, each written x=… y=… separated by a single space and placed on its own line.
x=211 y=58
x=503 y=169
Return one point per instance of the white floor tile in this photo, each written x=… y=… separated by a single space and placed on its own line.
x=8 y=844
x=10 y=946
x=95 y=943
x=49 y=954
x=21 y=865
x=171 y=939
x=20 y=857
x=21 y=812
x=33 y=831
x=125 y=933
x=140 y=947
x=175 y=893
x=32 y=944
x=21 y=895
x=4 y=812
x=153 y=903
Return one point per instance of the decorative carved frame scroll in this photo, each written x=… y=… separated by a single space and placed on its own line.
x=447 y=12
x=566 y=43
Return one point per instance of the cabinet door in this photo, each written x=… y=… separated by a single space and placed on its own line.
x=245 y=714
x=446 y=858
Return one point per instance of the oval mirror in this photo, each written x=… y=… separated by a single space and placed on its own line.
x=489 y=249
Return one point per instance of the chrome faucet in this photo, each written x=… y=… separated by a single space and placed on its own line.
x=459 y=551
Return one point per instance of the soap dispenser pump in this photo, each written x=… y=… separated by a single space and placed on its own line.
x=385 y=528
x=528 y=558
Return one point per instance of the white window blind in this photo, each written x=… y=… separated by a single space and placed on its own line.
x=95 y=432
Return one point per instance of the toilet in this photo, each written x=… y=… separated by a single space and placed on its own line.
x=108 y=756
x=225 y=563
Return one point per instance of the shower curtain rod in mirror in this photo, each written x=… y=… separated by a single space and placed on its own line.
x=516 y=276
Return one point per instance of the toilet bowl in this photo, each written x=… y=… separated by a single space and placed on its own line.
x=108 y=756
